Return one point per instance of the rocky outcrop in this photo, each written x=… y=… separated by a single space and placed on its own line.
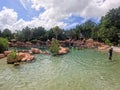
x=25 y=56
x=63 y=50
x=20 y=57
x=90 y=43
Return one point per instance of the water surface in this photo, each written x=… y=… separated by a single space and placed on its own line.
x=77 y=70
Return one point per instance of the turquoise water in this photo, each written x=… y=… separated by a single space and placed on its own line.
x=77 y=70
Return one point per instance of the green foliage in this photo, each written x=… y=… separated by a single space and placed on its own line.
x=56 y=30
x=54 y=48
x=110 y=26
x=107 y=41
x=19 y=36
x=13 y=55
x=7 y=34
x=38 y=33
x=34 y=41
x=27 y=34
x=3 y=44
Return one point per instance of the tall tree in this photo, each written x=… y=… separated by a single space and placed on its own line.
x=87 y=28
x=110 y=26
x=7 y=34
x=27 y=33
x=39 y=33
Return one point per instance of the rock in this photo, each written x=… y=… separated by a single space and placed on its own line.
x=103 y=47
x=16 y=63
x=7 y=52
x=21 y=55
x=28 y=44
x=36 y=51
x=2 y=56
x=63 y=50
x=25 y=56
x=46 y=52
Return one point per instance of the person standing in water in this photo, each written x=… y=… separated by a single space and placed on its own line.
x=110 y=53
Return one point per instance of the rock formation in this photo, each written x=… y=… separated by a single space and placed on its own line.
x=36 y=51
x=63 y=50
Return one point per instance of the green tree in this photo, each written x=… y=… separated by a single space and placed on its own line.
x=56 y=30
x=110 y=26
x=87 y=28
x=39 y=33
x=7 y=34
x=19 y=36
x=54 y=48
x=27 y=33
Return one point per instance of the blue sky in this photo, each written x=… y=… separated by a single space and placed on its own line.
x=17 y=14
x=22 y=12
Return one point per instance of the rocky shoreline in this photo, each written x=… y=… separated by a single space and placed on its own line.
x=89 y=43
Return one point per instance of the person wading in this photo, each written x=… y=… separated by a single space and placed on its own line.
x=110 y=53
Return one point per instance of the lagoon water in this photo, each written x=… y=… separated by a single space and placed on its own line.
x=77 y=70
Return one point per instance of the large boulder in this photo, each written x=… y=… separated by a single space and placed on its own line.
x=36 y=51
x=20 y=57
x=90 y=43
x=2 y=56
x=25 y=56
x=63 y=50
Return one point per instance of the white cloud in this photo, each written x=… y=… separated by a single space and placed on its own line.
x=55 y=12
x=7 y=18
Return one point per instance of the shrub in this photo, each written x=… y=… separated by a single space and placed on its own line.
x=3 y=44
x=54 y=48
x=12 y=57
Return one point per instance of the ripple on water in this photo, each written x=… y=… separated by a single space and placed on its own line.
x=77 y=70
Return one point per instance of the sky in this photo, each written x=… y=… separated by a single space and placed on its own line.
x=17 y=14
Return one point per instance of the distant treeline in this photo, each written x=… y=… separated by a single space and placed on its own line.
x=108 y=31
